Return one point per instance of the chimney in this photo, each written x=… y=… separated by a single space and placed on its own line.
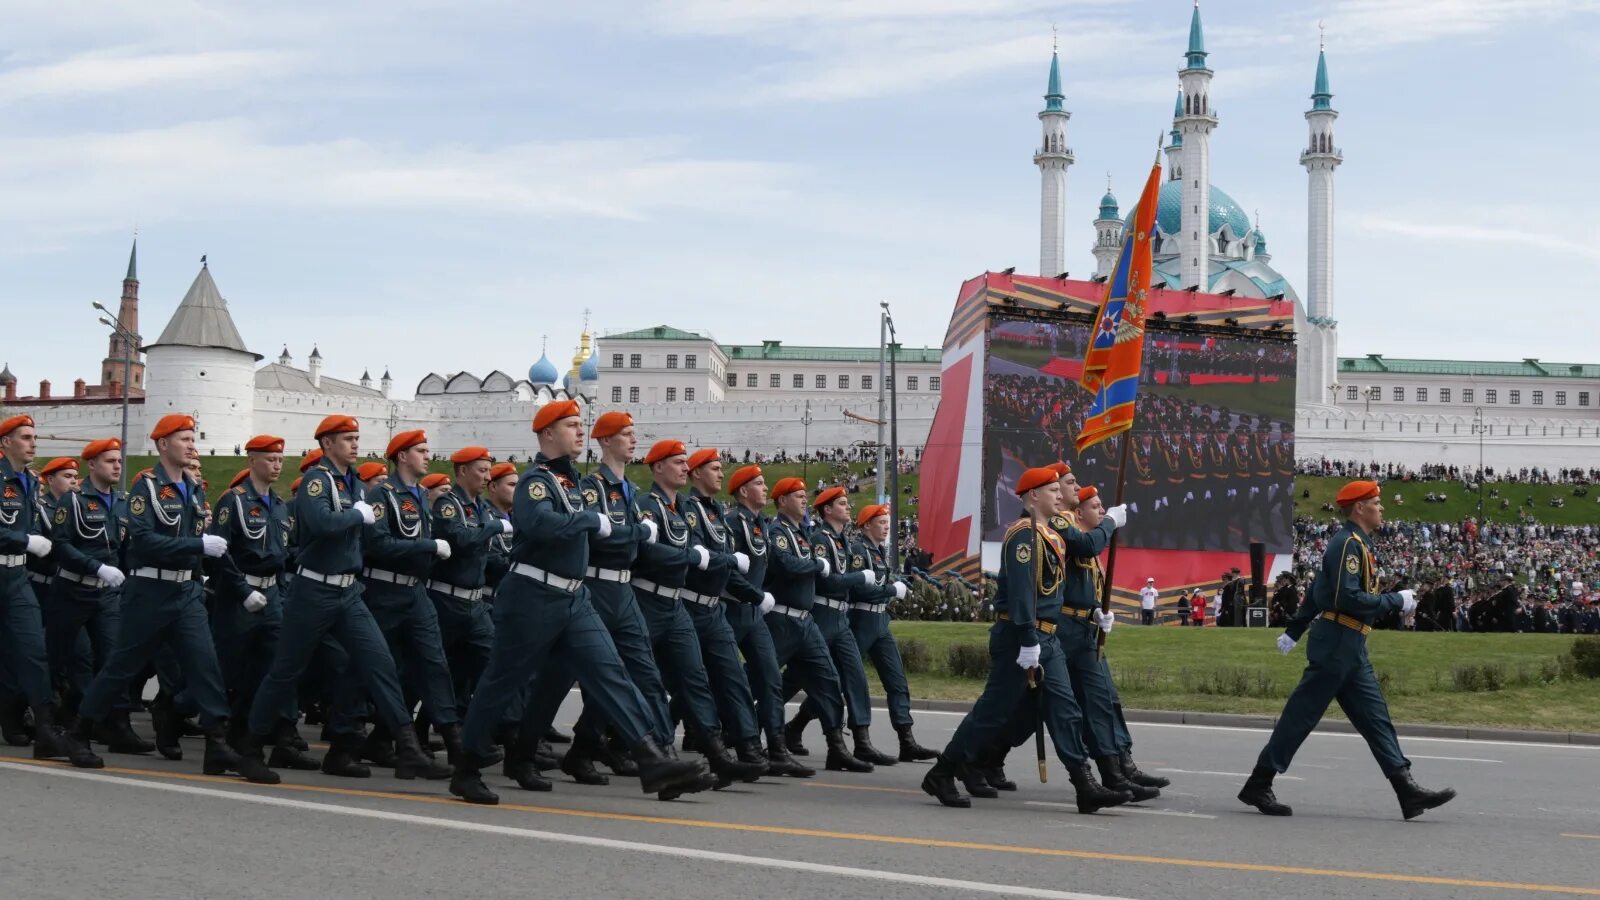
x=11 y=390
x=80 y=389
x=44 y=389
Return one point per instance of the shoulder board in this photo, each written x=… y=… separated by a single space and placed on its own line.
x=1018 y=527
x=238 y=489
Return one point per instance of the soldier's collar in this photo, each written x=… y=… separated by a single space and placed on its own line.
x=6 y=469
x=670 y=496
x=607 y=474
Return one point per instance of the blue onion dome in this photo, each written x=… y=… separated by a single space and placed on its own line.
x=590 y=370
x=1108 y=206
x=543 y=372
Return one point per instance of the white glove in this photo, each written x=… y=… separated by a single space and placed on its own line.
x=654 y=531
x=869 y=578
x=1408 y=599
x=38 y=545
x=1285 y=644
x=505 y=525
x=1118 y=515
x=256 y=602
x=705 y=557
x=365 y=508
x=827 y=568
x=212 y=545
x=1028 y=657
x=767 y=603
x=742 y=560
x=1106 y=620
x=605 y=525
x=442 y=548
x=111 y=575
x=900 y=590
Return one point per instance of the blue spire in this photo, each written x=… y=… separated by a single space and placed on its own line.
x=1197 y=40
x=1320 y=95
x=1177 y=113
x=1052 y=94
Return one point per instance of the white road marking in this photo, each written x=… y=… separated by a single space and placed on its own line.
x=1226 y=774
x=1176 y=813
x=1339 y=734
x=767 y=862
x=1456 y=758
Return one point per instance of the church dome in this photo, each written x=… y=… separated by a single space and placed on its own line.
x=1169 y=211
x=590 y=370
x=543 y=372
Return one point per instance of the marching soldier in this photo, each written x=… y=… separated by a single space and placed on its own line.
x=792 y=575
x=462 y=519
x=163 y=604
x=542 y=609
x=502 y=486
x=436 y=484
x=1339 y=610
x=371 y=474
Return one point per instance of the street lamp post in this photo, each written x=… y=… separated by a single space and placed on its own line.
x=805 y=465
x=1333 y=393
x=128 y=348
x=1478 y=429
x=1372 y=393
x=894 y=446
x=883 y=360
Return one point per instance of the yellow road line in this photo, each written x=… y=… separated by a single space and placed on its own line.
x=859 y=787
x=888 y=839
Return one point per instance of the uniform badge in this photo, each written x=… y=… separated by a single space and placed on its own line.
x=92 y=506
x=222 y=517
x=255 y=512
x=314 y=488
x=590 y=496
x=1024 y=553
x=1059 y=522
x=167 y=493
x=782 y=542
x=379 y=511
x=646 y=514
x=692 y=519
x=614 y=496
x=449 y=511
x=857 y=562
x=136 y=506
x=1352 y=565
x=536 y=490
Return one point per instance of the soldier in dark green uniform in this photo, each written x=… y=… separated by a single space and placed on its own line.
x=502 y=487
x=1033 y=569
x=1339 y=609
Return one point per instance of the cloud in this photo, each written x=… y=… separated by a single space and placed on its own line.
x=1448 y=227
x=1360 y=25
x=120 y=71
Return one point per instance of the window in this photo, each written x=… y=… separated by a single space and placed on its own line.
x=1466 y=395
x=1538 y=398
x=1516 y=397
x=672 y=395
x=844 y=382
x=733 y=379
x=1561 y=398
x=911 y=382
x=635 y=361
x=750 y=379
x=1583 y=398
x=1490 y=395
x=689 y=360
x=1422 y=395
x=633 y=395
x=821 y=382
x=616 y=395
x=1352 y=393
x=799 y=380
x=866 y=382
x=688 y=395
x=775 y=380
x=1399 y=395
x=933 y=382
x=672 y=360
x=616 y=360
x=1444 y=395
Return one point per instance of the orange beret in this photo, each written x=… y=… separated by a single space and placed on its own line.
x=58 y=464
x=434 y=479
x=311 y=459
x=370 y=470
x=787 y=486
x=827 y=496
x=1355 y=492
x=609 y=424
x=664 y=450
x=470 y=455
x=404 y=440
x=501 y=470
x=171 y=424
x=1060 y=468
x=295 y=485
x=1085 y=494
x=241 y=475
x=869 y=512
x=13 y=423
x=701 y=457
x=743 y=477
x=264 y=443
x=336 y=425
x=1035 y=478
x=553 y=412
x=95 y=448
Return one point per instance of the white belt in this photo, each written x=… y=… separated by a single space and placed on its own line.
x=833 y=604
x=88 y=581
x=870 y=607
x=40 y=578
x=488 y=592
x=175 y=575
x=620 y=576
x=792 y=613
x=660 y=590
x=261 y=582
x=10 y=562
x=391 y=577
x=570 y=585
x=336 y=580
x=702 y=599
x=461 y=593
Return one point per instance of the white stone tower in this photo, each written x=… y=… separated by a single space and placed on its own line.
x=201 y=366
x=1320 y=345
x=1194 y=128
x=1175 y=144
x=1052 y=159
x=1107 y=234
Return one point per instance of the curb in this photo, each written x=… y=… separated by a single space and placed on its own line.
x=1335 y=726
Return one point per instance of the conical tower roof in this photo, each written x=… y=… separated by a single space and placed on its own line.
x=202 y=320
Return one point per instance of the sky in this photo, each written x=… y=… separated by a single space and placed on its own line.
x=431 y=186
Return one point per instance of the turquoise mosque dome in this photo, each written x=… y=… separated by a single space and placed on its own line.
x=1169 y=211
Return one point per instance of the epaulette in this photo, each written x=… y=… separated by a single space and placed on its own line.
x=1017 y=527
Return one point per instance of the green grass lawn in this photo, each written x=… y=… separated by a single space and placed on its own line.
x=1239 y=671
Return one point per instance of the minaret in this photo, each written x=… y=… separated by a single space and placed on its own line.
x=1320 y=158
x=1107 y=234
x=1175 y=146
x=119 y=352
x=1194 y=127
x=1052 y=159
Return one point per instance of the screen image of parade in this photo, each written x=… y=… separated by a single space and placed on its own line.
x=1212 y=466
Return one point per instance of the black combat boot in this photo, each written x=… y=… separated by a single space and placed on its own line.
x=553 y=736
x=995 y=775
x=794 y=732
x=725 y=765
x=117 y=733
x=839 y=756
x=749 y=752
x=343 y=758
x=615 y=756
x=1131 y=769
x=379 y=749
x=864 y=751
x=544 y=757
x=690 y=745
x=466 y=782
x=50 y=742
x=940 y=783
x=578 y=763
x=411 y=762
x=285 y=755
x=220 y=758
x=974 y=779
x=13 y=729
x=451 y=736
x=1091 y=794
x=1257 y=792
x=1415 y=799
x=168 y=726
x=659 y=773
x=910 y=750
x=779 y=762
x=518 y=764
x=1111 y=776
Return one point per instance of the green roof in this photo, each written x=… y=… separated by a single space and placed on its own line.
x=658 y=333
x=775 y=350
x=1377 y=364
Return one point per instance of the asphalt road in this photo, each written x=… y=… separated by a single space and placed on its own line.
x=1527 y=822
